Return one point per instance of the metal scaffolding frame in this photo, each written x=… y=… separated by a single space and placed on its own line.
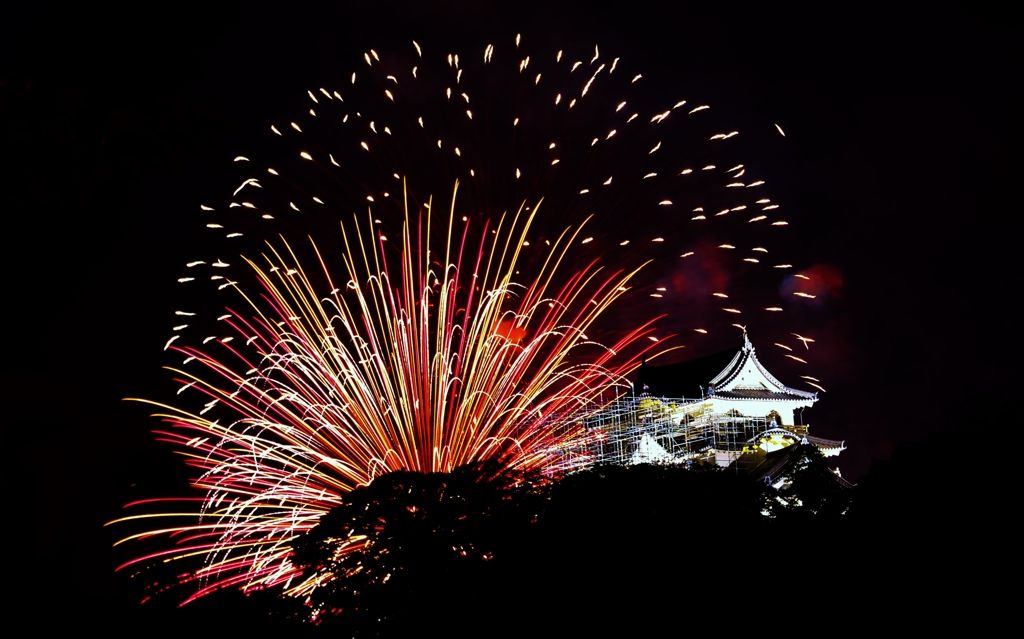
x=633 y=430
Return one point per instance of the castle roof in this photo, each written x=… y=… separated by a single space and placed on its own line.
x=735 y=373
x=776 y=464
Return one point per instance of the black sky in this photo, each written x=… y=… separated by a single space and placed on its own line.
x=902 y=164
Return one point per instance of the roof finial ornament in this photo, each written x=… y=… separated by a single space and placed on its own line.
x=747 y=346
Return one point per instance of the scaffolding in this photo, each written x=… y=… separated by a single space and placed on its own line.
x=646 y=430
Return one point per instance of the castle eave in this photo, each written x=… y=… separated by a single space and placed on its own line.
x=762 y=394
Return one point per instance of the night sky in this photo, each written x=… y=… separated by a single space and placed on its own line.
x=901 y=165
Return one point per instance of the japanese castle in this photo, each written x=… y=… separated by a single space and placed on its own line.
x=724 y=409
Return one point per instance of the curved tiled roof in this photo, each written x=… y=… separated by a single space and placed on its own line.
x=821 y=442
x=736 y=367
x=692 y=378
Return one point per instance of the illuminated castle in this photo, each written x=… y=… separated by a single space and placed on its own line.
x=725 y=409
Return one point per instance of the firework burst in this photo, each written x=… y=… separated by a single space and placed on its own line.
x=448 y=338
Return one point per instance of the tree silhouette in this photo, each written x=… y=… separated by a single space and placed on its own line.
x=424 y=543
x=814 y=488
